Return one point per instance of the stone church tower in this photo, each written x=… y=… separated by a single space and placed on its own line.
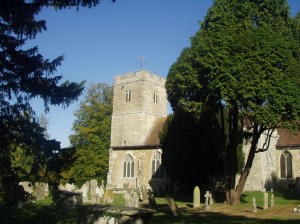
x=139 y=111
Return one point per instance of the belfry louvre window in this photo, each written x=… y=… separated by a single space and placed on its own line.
x=157 y=170
x=128 y=95
x=128 y=167
x=286 y=165
x=155 y=98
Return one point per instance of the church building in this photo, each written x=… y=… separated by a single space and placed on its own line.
x=139 y=112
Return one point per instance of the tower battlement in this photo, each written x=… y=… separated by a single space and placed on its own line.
x=141 y=75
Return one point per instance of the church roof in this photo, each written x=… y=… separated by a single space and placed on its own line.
x=288 y=139
x=153 y=135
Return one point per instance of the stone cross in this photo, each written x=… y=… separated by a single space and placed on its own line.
x=254 y=205
x=196 y=198
x=207 y=197
x=272 y=201
x=265 y=200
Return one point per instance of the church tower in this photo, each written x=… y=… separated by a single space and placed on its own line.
x=139 y=99
x=139 y=111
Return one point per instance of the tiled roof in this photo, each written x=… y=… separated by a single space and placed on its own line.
x=287 y=138
x=153 y=135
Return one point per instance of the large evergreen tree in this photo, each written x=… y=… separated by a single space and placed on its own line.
x=244 y=59
x=25 y=74
x=92 y=135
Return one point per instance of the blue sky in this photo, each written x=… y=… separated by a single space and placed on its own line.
x=108 y=40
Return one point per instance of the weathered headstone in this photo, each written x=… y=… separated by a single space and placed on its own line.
x=40 y=191
x=85 y=191
x=144 y=194
x=132 y=199
x=68 y=199
x=196 y=197
x=265 y=206
x=27 y=186
x=207 y=197
x=172 y=205
x=254 y=205
x=272 y=201
x=211 y=200
x=108 y=197
x=93 y=186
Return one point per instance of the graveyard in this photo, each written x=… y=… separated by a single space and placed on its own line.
x=181 y=207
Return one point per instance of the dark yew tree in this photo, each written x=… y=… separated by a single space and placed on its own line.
x=25 y=74
x=244 y=60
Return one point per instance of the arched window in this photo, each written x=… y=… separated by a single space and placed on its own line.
x=286 y=165
x=128 y=167
x=128 y=95
x=157 y=170
x=155 y=98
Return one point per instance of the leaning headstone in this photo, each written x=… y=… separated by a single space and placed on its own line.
x=196 y=197
x=40 y=191
x=207 y=197
x=254 y=205
x=265 y=200
x=172 y=205
x=272 y=201
x=93 y=186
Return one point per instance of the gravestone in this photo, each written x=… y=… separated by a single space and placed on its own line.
x=100 y=191
x=254 y=205
x=108 y=197
x=211 y=200
x=272 y=201
x=144 y=194
x=40 y=191
x=151 y=198
x=27 y=186
x=93 y=186
x=207 y=203
x=132 y=199
x=196 y=197
x=67 y=200
x=85 y=192
x=265 y=206
x=172 y=205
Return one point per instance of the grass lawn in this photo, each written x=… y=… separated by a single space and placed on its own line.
x=43 y=213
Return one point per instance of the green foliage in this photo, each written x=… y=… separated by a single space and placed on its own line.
x=25 y=74
x=244 y=59
x=194 y=145
x=92 y=135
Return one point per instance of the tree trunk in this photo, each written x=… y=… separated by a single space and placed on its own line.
x=246 y=170
x=231 y=157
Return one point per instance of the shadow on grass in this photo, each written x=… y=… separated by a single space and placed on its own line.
x=36 y=214
x=213 y=218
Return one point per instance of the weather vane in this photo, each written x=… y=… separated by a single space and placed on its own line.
x=142 y=62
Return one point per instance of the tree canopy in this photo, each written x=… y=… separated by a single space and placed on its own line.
x=25 y=74
x=244 y=59
x=91 y=139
